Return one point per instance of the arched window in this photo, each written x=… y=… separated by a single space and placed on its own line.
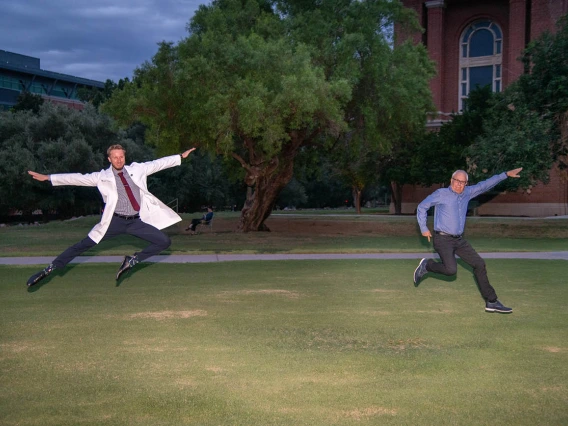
x=481 y=47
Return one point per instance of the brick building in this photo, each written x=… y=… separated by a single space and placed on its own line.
x=478 y=42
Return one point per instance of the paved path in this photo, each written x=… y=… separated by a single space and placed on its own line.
x=208 y=258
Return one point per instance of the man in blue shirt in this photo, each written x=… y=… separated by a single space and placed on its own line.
x=449 y=222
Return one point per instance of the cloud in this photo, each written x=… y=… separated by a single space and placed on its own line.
x=95 y=39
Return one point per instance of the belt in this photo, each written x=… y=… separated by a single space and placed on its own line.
x=136 y=216
x=445 y=234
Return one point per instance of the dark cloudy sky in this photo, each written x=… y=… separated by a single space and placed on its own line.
x=95 y=39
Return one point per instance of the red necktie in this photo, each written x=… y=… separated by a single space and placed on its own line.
x=129 y=192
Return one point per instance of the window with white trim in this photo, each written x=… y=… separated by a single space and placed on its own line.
x=481 y=47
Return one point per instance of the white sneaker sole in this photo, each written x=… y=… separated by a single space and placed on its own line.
x=498 y=310
x=416 y=270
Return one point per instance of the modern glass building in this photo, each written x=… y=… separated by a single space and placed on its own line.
x=20 y=73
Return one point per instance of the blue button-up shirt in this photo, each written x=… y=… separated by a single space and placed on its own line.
x=450 y=207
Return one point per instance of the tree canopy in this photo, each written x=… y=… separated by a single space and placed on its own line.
x=258 y=80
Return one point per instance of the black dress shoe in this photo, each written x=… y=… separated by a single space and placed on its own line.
x=37 y=277
x=127 y=263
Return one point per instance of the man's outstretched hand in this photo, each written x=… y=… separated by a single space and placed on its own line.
x=186 y=153
x=38 y=176
x=514 y=173
x=427 y=234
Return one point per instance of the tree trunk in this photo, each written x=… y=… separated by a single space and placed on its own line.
x=261 y=199
x=396 y=196
x=357 y=199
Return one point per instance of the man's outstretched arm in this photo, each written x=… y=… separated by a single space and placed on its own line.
x=486 y=185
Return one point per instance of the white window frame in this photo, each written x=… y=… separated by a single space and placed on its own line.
x=466 y=63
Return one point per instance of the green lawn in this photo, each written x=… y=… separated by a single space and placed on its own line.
x=292 y=234
x=283 y=343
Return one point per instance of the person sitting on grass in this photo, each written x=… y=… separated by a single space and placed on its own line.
x=205 y=219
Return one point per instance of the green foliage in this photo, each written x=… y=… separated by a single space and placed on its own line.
x=28 y=102
x=318 y=178
x=55 y=140
x=545 y=88
x=434 y=156
x=293 y=195
x=96 y=96
x=199 y=181
x=513 y=138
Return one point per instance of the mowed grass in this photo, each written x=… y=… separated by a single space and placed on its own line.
x=296 y=234
x=283 y=343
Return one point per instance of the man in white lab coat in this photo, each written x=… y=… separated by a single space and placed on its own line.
x=129 y=208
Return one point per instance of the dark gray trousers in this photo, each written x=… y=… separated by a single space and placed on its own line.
x=447 y=247
x=119 y=226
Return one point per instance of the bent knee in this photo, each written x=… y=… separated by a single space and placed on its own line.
x=165 y=242
x=450 y=270
x=480 y=266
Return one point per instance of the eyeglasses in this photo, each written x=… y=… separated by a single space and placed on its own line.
x=460 y=182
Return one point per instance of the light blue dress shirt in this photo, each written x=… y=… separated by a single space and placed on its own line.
x=450 y=207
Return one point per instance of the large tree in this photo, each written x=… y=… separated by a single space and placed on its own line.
x=258 y=80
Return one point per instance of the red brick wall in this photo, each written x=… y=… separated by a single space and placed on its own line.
x=544 y=14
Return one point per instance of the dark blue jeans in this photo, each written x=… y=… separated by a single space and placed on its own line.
x=118 y=226
x=447 y=247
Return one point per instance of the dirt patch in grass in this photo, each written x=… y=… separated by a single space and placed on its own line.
x=215 y=369
x=163 y=315
x=401 y=345
x=554 y=349
x=17 y=348
x=364 y=413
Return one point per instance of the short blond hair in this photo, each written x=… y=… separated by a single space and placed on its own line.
x=113 y=147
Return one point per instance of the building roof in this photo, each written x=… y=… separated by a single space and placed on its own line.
x=31 y=66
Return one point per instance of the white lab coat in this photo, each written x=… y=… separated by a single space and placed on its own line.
x=152 y=210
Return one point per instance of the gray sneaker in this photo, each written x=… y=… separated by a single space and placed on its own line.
x=497 y=307
x=420 y=271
